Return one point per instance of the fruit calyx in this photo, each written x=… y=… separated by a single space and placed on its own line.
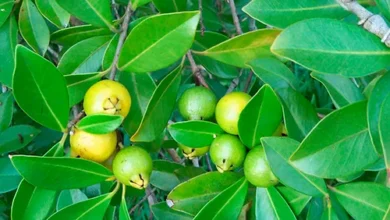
x=112 y=105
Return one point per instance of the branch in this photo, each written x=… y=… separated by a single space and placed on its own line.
x=235 y=16
x=195 y=162
x=371 y=22
x=202 y=27
x=174 y=155
x=248 y=81
x=115 y=8
x=234 y=83
x=122 y=37
x=196 y=71
x=142 y=200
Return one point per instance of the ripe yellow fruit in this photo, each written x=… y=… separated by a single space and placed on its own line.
x=191 y=153
x=95 y=147
x=107 y=97
x=229 y=109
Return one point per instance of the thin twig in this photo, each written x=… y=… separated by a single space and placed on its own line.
x=75 y=119
x=196 y=70
x=115 y=8
x=236 y=21
x=122 y=37
x=174 y=155
x=248 y=81
x=234 y=83
x=142 y=200
x=202 y=27
x=195 y=162
x=252 y=24
x=151 y=198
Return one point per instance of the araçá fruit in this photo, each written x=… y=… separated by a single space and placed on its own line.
x=95 y=147
x=197 y=103
x=227 y=152
x=228 y=111
x=191 y=153
x=107 y=97
x=133 y=166
x=257 y=170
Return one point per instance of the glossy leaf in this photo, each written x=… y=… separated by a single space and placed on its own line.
x=159 y=109
x=33 y=27
x=53 y=12
x=60 y=173
x=260 y=117
x=356 y=52
x=194 y=133
x=278 y=150
x=8 y=37
x=384 y=130
x=297 y=201
x=9 y=177
x=161 y=211
x=341 y=89
x=6 y=111
x=227 y=204
x=123 y=210
x=109 y=53
x=363 y=200
x=244 y=48
x=85 y=56
x=40 y=90
x=271 y=205
x=164 y=6
x=348 y=144
x=100 y=124
x=69 y=197
x=191 y=196
x=163 y=176
x=188 y=172
x=136 y=3
x=274 y=12
x=79 y=84
x=6 y=6
x=159 y=47
x=89 y=209
x=384 y=7
x=17 y=137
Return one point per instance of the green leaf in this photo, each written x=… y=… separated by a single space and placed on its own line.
x=33 y=27
x=194 y=134
x=384 y=131
x=278 y=150
x=123 y=211
x=141 y=88
x=296 y=200
x=53 y=12
x=85 y=56
x=79 y=84
x=192 y=195
x=160 y=108
x=164 y=6
x=6 y=6
x=17 y=137
x=69 y=197
x=9 y=39
x=315 y=208
x=357 y=52
x=240 y=50
x=6 y=110
x=161 y=211
x=274 y=12
x=188 y=172
x=94 y=208
x=299 y=115
x=363 y=200
x=348 y=144
x=160 y=46
x=261 y=117
x=163 y=176
x=40 y=90
x=271 y=205
x=137 y=3
x=60 y=173
x=341 y=89
x=384 y=7
x=95 y=12
x=100 y=123
x=109 y=53
x=227 y=204
x=9 y=177
x=273 y=72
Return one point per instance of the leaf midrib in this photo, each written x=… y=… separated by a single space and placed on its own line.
x=299 y=9
x=358 y=200
x=234 y=194
x=339 y=52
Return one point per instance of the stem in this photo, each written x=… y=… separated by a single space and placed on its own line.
x=234 y=83
x=235 y=16
x=195 y=162
x=208 y=162
x=122 y=37
x=123 y=191
x=248 y=82
x=141 y=201
x=115 y=8
x=202 y=27
x=63 y=138
x=174 y=155
x=75 y=119
x=115 y=190
x=196 y=71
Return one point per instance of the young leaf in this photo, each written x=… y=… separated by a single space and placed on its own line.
x=194 y=134
x=94 y=208
x=79 y=84
x=6 y=6
x=363 y=200
x=40 y=90
x=9 y=177
x=278 y=150
x=33 y=27
x=161 y=211
x=17 y=137
x=100 y=124
x=60 y=173
x=352 y=52
x=6 y=111
x=341 y=89
x=159 y=109
x=163 y=175
x=243 y=48
x=297 y=201
x=9 y=39
x=274 y=12
x=271 y=205
x=69 y=197
x=53 y=12
x=348 y=144
x=227 y=204
x=160 y=46
x=260 y=117
x=191 y=196
x=164 y=6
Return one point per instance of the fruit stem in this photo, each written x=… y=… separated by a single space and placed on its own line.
x=123 y=191
x=113 y=192
x=63 y=138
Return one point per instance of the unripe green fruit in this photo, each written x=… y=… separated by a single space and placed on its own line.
x=107 y=97
x=197 y=103
x=133 y=166
x=227 y=152
x=257 y=170
x=228 y=111
x=191 y=153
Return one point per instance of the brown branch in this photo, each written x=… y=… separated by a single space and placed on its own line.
x=248 y=81
x=196 y=71
x=122 y=37
x=174 y=155
x=234 y=83
x=77 y=116
x=236 y=21
x=142 y=200
x=195 y=162
x=115 y=8
x=202 y=27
